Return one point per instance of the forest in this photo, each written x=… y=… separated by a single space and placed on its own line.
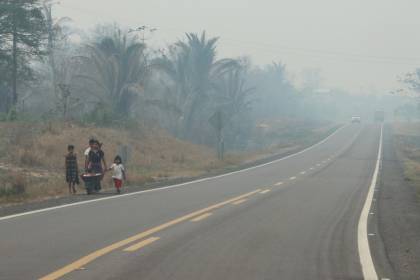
x=109 y=76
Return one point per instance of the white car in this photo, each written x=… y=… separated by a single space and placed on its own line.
x=356 y=119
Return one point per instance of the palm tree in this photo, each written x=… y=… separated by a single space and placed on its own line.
x=235 y=95
x=194 y=70
x=235 y=103
x=120 y=70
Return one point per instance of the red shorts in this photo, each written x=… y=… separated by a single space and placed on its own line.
x=118 y=183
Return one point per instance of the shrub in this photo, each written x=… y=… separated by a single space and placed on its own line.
x=3 y=116
x=29 y=158
x=13 y=185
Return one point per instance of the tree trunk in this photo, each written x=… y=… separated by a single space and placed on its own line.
x=65 y=105
x=51 y=50
x=190 y=118
x=14 y=67
x=53 y=72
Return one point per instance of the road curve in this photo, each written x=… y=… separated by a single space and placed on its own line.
x=296 y=218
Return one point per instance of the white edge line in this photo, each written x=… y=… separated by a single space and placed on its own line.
x=366 y=261
x=172 y=186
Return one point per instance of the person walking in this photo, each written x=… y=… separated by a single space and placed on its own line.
x=72 y=170
x=118 y=174
x=96 y=163
x=88 y=149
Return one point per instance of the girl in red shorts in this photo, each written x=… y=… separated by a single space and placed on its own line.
x=118 y=174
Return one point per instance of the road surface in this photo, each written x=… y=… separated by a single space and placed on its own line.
x=295 y=218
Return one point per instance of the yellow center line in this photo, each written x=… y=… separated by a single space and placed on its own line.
x=141 y=244
x=239 y=201
x=101 y=252
x=265 y=191
x=202 y=217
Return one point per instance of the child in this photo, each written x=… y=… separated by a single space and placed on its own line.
x=118 y=173
x=72 y=170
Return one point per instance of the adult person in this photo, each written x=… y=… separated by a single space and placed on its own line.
x=86 y=153
x=96 y=163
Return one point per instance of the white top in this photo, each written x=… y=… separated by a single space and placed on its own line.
x=118 y=170
x=87 y=151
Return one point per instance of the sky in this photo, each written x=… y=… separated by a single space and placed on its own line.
x=358 y=45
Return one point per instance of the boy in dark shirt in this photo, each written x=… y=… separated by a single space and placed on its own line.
x=72 y=170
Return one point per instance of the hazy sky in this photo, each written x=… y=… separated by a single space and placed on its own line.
x=360 y=45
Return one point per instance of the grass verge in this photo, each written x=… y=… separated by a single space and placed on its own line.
x=407 y=142
x=32 y=155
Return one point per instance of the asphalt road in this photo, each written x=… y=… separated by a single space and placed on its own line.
x=295 y=218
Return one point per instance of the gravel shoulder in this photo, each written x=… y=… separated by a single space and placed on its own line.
x=398 y=219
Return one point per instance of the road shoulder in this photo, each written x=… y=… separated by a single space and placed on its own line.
x=397 y=219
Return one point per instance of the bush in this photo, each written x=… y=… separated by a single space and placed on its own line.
x=12 y=114
x=29 y=158
x=13 y=185
x=3 y=117
x=101 y=115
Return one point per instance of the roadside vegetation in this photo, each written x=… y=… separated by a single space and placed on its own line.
x=407 y=141
x=32 y=155
x=179 y=110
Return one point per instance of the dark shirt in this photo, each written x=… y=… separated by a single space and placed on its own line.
x=71 y=161
x=72 y=172
x=95 y=158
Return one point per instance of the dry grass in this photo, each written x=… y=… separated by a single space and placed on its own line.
x=44 y=147
x=407 y=140
x=36 y=152
x=32 y=155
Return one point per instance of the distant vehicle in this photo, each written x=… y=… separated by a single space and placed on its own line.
x=379 y=116
x=356 y=119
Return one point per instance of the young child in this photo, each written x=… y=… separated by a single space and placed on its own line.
x=118 y=174
x=72 y=170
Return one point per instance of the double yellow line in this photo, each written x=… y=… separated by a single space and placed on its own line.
x=106 y=250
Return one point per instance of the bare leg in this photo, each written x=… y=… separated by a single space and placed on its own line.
x=74 y=187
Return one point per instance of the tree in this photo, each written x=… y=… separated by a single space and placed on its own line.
x=22 y=32
x=276 y=96
x=4 y=80
x=235 y=95
x=57 y=35
x=412 y=80
x=194 y=70
x=235 y=102
x=119 y=70
x=67 y=70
